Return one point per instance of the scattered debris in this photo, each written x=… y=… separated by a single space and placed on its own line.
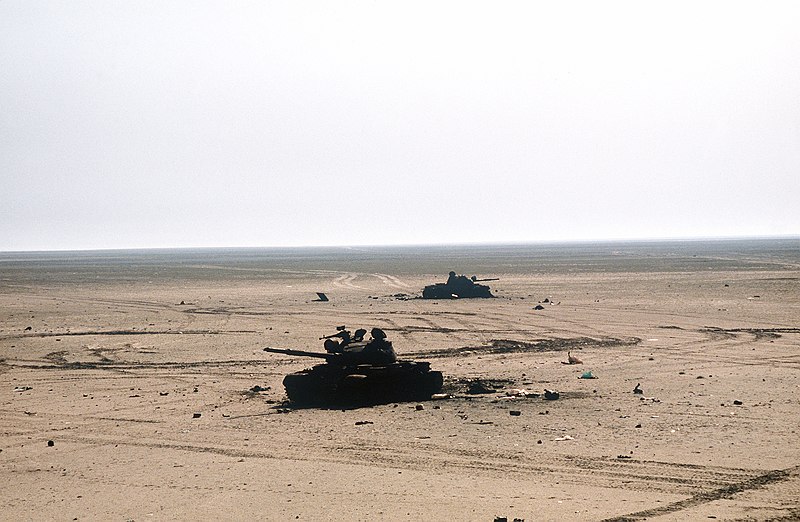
x=163 y=394
x=196 y=416
x=738 y=403
x=440 y=396
x=587 y=375
x=623 y=456
x=515 y=413
x=257 y=388
x=22 y=388
x=565 y=437
x=28 y=328
x=637 y=390
x=478 y=387
x=571 y=359
x=419 y=407
x=322 y=297
x=361 y=423
x=538 y=307
x=551 y=395
x=50 y=443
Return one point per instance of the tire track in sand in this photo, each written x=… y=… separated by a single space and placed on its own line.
x=704 y=497
x=346 y=281
x=391 y=281
x=701 y=483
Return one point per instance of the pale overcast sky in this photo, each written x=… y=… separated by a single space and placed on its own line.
x=192 y=123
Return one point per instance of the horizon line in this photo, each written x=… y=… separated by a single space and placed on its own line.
x=418 y=245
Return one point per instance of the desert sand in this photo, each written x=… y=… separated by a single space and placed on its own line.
x=126 y=385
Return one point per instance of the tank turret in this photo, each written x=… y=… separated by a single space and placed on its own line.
x=356 y=354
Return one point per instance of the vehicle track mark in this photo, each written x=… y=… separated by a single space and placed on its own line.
x=107 y=364
x=497 y=346
x=704 y=497
x=122 y=332
x=395 y=327
x=392 y=281
x=664 y=477
x=346 y=281
x=713 y=338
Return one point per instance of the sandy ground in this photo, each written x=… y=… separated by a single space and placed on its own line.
x=125 y=398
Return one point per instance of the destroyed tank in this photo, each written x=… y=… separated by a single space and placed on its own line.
x=457 y=287
x=357 y=377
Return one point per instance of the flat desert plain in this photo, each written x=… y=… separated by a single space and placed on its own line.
x=133 y=385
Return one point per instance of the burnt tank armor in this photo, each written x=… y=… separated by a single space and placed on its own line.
x=361 y=373
x=457 y=286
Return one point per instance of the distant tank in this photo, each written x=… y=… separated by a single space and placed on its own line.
x=457 y=286
x=362 y=373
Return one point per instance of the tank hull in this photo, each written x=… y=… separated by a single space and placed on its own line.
x=334 y=385
x=445 y=291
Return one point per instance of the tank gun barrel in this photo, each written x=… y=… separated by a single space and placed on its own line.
x=300 y=353
x=476 y=280
x=331 y=336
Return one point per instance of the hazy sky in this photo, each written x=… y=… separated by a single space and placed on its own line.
x=191 y=123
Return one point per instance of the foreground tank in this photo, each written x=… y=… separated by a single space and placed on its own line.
x=457 y=287
x=355 y=378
